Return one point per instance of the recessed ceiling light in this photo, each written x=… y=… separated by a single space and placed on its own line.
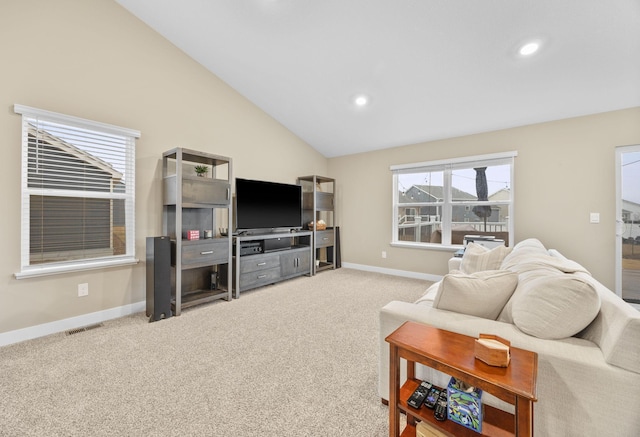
x=361 y=100
x=529 y=48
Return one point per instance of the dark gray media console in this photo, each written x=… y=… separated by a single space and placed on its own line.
x=265 y=259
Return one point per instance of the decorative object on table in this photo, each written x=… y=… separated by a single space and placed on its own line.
x=320 y=226
x=208 y=233
x=192 y=235
x=201 y=170
x=492 y=350
x=464 y=404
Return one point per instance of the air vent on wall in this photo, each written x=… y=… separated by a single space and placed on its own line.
x=84 y=328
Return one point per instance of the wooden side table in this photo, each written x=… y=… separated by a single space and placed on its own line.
x=452 y=353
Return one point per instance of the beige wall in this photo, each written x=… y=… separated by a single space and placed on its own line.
x=564 y=170
x=92 y=59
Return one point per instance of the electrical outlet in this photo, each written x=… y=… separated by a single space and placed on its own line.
x=83 y=289
x=384 y=254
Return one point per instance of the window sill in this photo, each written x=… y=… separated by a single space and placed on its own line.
x=46 y=270
x=427 y=246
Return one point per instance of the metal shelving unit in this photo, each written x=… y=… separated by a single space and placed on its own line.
x=197 y=202
x=318 y=203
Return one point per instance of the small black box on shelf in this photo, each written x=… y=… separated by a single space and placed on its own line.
x=272 y=244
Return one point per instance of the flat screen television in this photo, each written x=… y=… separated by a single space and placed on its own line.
x=262 y=205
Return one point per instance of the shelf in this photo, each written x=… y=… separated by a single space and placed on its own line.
x=197 y=157
x=186 y=242
x=199 y=297
x=324 y=266
x=496 y=423
x=409 y=431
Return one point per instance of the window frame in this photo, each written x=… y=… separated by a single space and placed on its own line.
x=27 y=267
x=447 y=166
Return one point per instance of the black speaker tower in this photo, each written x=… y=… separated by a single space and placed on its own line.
x=158 y=278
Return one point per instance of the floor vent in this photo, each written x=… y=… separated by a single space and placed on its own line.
x=84 y=328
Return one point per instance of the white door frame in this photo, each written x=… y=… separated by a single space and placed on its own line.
x=619 y=222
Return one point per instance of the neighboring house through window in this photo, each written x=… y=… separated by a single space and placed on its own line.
x=78 y=192
x=436 y=203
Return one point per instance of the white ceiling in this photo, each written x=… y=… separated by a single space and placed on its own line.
x=433 y=68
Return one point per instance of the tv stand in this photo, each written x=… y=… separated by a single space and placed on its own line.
x=283 y=256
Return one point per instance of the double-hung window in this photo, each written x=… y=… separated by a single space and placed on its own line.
x=78 y=193
x=437 y=203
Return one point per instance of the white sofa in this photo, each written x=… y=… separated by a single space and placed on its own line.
x=588 y=381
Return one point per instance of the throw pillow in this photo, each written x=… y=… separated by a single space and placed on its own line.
x=482 y=294
x=554 y=307
x=477 y=258
x=522 y=252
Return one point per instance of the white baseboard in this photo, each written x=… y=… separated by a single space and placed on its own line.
x=45 y=329
x=394 y=272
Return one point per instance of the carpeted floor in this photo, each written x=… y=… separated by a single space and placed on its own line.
x=297 y=358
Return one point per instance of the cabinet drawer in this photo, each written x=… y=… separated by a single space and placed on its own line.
x=324 y=238
x=205 y=252
x=260 y=277
x=254 y=263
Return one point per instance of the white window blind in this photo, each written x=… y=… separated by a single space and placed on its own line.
x=78 y=193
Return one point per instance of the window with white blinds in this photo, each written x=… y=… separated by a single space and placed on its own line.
x=78 y=193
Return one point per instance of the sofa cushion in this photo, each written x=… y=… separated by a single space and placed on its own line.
x=481 y=294
x=531 y=260
x=523 y=285
x=555 y=306
x=478 y=258
x=522 y=252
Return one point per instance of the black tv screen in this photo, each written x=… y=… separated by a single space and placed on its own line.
x=267 y=205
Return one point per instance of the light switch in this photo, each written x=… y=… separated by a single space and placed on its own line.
x=594 y=217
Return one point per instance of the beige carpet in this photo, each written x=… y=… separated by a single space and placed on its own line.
x=294 y=359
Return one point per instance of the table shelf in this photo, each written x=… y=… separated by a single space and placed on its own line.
x=496 y=423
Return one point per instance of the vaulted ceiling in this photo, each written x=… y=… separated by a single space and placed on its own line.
x=428 y=69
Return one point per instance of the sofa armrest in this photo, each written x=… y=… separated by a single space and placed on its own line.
x=454 y=263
